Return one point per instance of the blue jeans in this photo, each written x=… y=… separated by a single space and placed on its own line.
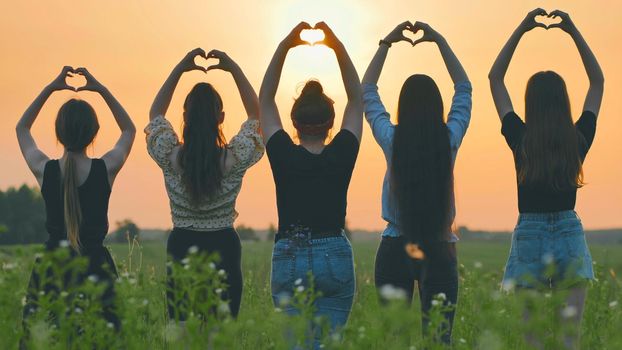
x=330 y=262
x=548 y=251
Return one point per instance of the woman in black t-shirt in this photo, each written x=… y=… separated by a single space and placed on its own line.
x=548 y=246
x=312 y=181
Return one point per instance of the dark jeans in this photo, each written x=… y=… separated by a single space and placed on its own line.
x=227 y=244
x=436 y=273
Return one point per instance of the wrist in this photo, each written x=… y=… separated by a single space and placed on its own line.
x=385 y=42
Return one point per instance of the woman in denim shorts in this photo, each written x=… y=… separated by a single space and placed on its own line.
x=549 y=250
x=311 y=180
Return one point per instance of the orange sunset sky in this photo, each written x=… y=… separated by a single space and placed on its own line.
x=131 y=46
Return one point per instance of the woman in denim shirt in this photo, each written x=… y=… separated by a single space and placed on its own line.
x=417 y=192
x=549 y=250
x=311 y=181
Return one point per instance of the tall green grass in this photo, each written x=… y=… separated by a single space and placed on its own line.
x=486 y=318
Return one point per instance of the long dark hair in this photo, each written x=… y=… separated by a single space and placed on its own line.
x=550 y=149
x=421 y=171
x=313 y=113
x=203 y=142
x=76 y=128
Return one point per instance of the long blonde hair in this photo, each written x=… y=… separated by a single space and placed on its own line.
x=76 y=127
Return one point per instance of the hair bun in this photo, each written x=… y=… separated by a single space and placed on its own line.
x=312 y=87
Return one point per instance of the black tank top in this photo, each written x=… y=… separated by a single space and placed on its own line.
x=94 y=195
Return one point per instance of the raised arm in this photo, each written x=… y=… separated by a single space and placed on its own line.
x=353 y=113
x=269 y=113
x=497 y=73
x=34 y=157
x=372 y=74
x=595 y=74
x=163 y=98
x=247 y=93
x=115 y=158
x=454 y=67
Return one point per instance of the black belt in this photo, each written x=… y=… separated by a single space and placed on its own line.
x=305 y=233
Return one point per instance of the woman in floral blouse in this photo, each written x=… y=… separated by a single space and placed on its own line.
x=203 y=174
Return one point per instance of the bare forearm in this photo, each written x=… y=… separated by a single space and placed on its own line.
x=349 y=75
x=164 y=96
x=500 y=67
x=456 y=71
x=592 y=68
x=120 y=115
x=247 y=93
x=372 y=75
x=272 y=77
x=30 y=115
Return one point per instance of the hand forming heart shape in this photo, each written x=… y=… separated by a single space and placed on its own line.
x=60 y=82
x=312 y=36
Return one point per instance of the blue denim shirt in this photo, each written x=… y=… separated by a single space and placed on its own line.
x=380 y=122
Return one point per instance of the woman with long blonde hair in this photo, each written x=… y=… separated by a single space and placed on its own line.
x=76 y=190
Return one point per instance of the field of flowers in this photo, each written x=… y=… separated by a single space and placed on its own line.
x=486 y=317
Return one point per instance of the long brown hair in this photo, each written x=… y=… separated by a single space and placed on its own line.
x=76 y=127
x=550 y=148
x=313 y=114
x=203 y=142
x=421 y=171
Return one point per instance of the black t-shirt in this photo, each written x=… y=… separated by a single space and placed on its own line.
x=311 y=189
x=541 y=198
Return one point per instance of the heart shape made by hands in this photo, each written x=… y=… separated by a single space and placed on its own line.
x=547 y=21
x=312 y=36
x=200 y=61
x=75 y=80
x=410 y=34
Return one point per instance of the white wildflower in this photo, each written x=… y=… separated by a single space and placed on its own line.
x=508 y=285
x=8 y=266
x=221 y=272
x=110 y=325
x=64 y=243
x=613 y=304
x=93 y=278
x=185 y=261
x=218 y=291
x=64 y=294
x=224 y=308
x=23 y=301
x=569 y=311
x=193 y=250
x=278 y=309
x=300 y=289
x=435 y=302
x=462 y=340
x=212 y=266
x=390 y=292
x=284 y=299
x=441 y=296
x=298 y=281
x=78 y=310
x=145 y=302
x=478 y=265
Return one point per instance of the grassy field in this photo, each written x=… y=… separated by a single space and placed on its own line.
x=486 y=318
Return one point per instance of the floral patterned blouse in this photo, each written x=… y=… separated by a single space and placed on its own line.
x=217 y=212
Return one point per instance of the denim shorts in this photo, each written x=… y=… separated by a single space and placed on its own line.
x=548 y=251
x=329 y=261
